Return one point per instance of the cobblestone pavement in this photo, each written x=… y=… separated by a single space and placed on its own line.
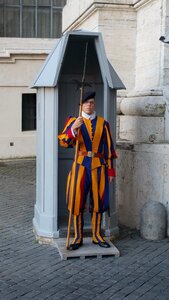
x=32 y=271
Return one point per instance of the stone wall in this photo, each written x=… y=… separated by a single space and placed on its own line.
x=143 y=175
x=116 y=20
x=143 y=120
x=148 y=46
x=131 y=32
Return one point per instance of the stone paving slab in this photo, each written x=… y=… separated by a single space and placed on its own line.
x=87 y=250
x=29 y=270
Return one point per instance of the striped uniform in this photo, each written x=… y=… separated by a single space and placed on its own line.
x=91 y=173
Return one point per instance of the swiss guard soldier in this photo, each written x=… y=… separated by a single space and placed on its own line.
x=94 y=168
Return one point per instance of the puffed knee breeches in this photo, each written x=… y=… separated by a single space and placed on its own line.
x=94 y=181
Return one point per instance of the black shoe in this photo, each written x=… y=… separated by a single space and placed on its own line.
x=102 y=244
x=75 y=246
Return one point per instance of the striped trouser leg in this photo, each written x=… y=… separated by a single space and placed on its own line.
x=78 y=228
x=96 y=227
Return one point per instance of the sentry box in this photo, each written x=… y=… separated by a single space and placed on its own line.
x=58 y=97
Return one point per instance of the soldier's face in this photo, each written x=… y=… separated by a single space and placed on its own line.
x=89 y=106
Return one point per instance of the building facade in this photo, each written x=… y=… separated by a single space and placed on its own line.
x=28 y=31
x=131 y=30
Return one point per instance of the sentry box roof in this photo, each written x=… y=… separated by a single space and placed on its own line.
x=68 y=57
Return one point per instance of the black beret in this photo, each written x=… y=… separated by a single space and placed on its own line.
x=88 y=95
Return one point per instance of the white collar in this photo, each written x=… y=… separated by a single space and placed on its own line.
x=86 y=116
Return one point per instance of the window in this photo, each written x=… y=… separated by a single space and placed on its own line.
x=28 y=112
x=31 y=18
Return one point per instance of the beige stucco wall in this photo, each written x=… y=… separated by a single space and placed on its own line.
x=20 y=60
x=10 y=125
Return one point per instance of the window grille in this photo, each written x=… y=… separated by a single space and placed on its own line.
x=31 y=18
x=28 y=112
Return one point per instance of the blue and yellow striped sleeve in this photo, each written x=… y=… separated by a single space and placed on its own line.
x=66 y=138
